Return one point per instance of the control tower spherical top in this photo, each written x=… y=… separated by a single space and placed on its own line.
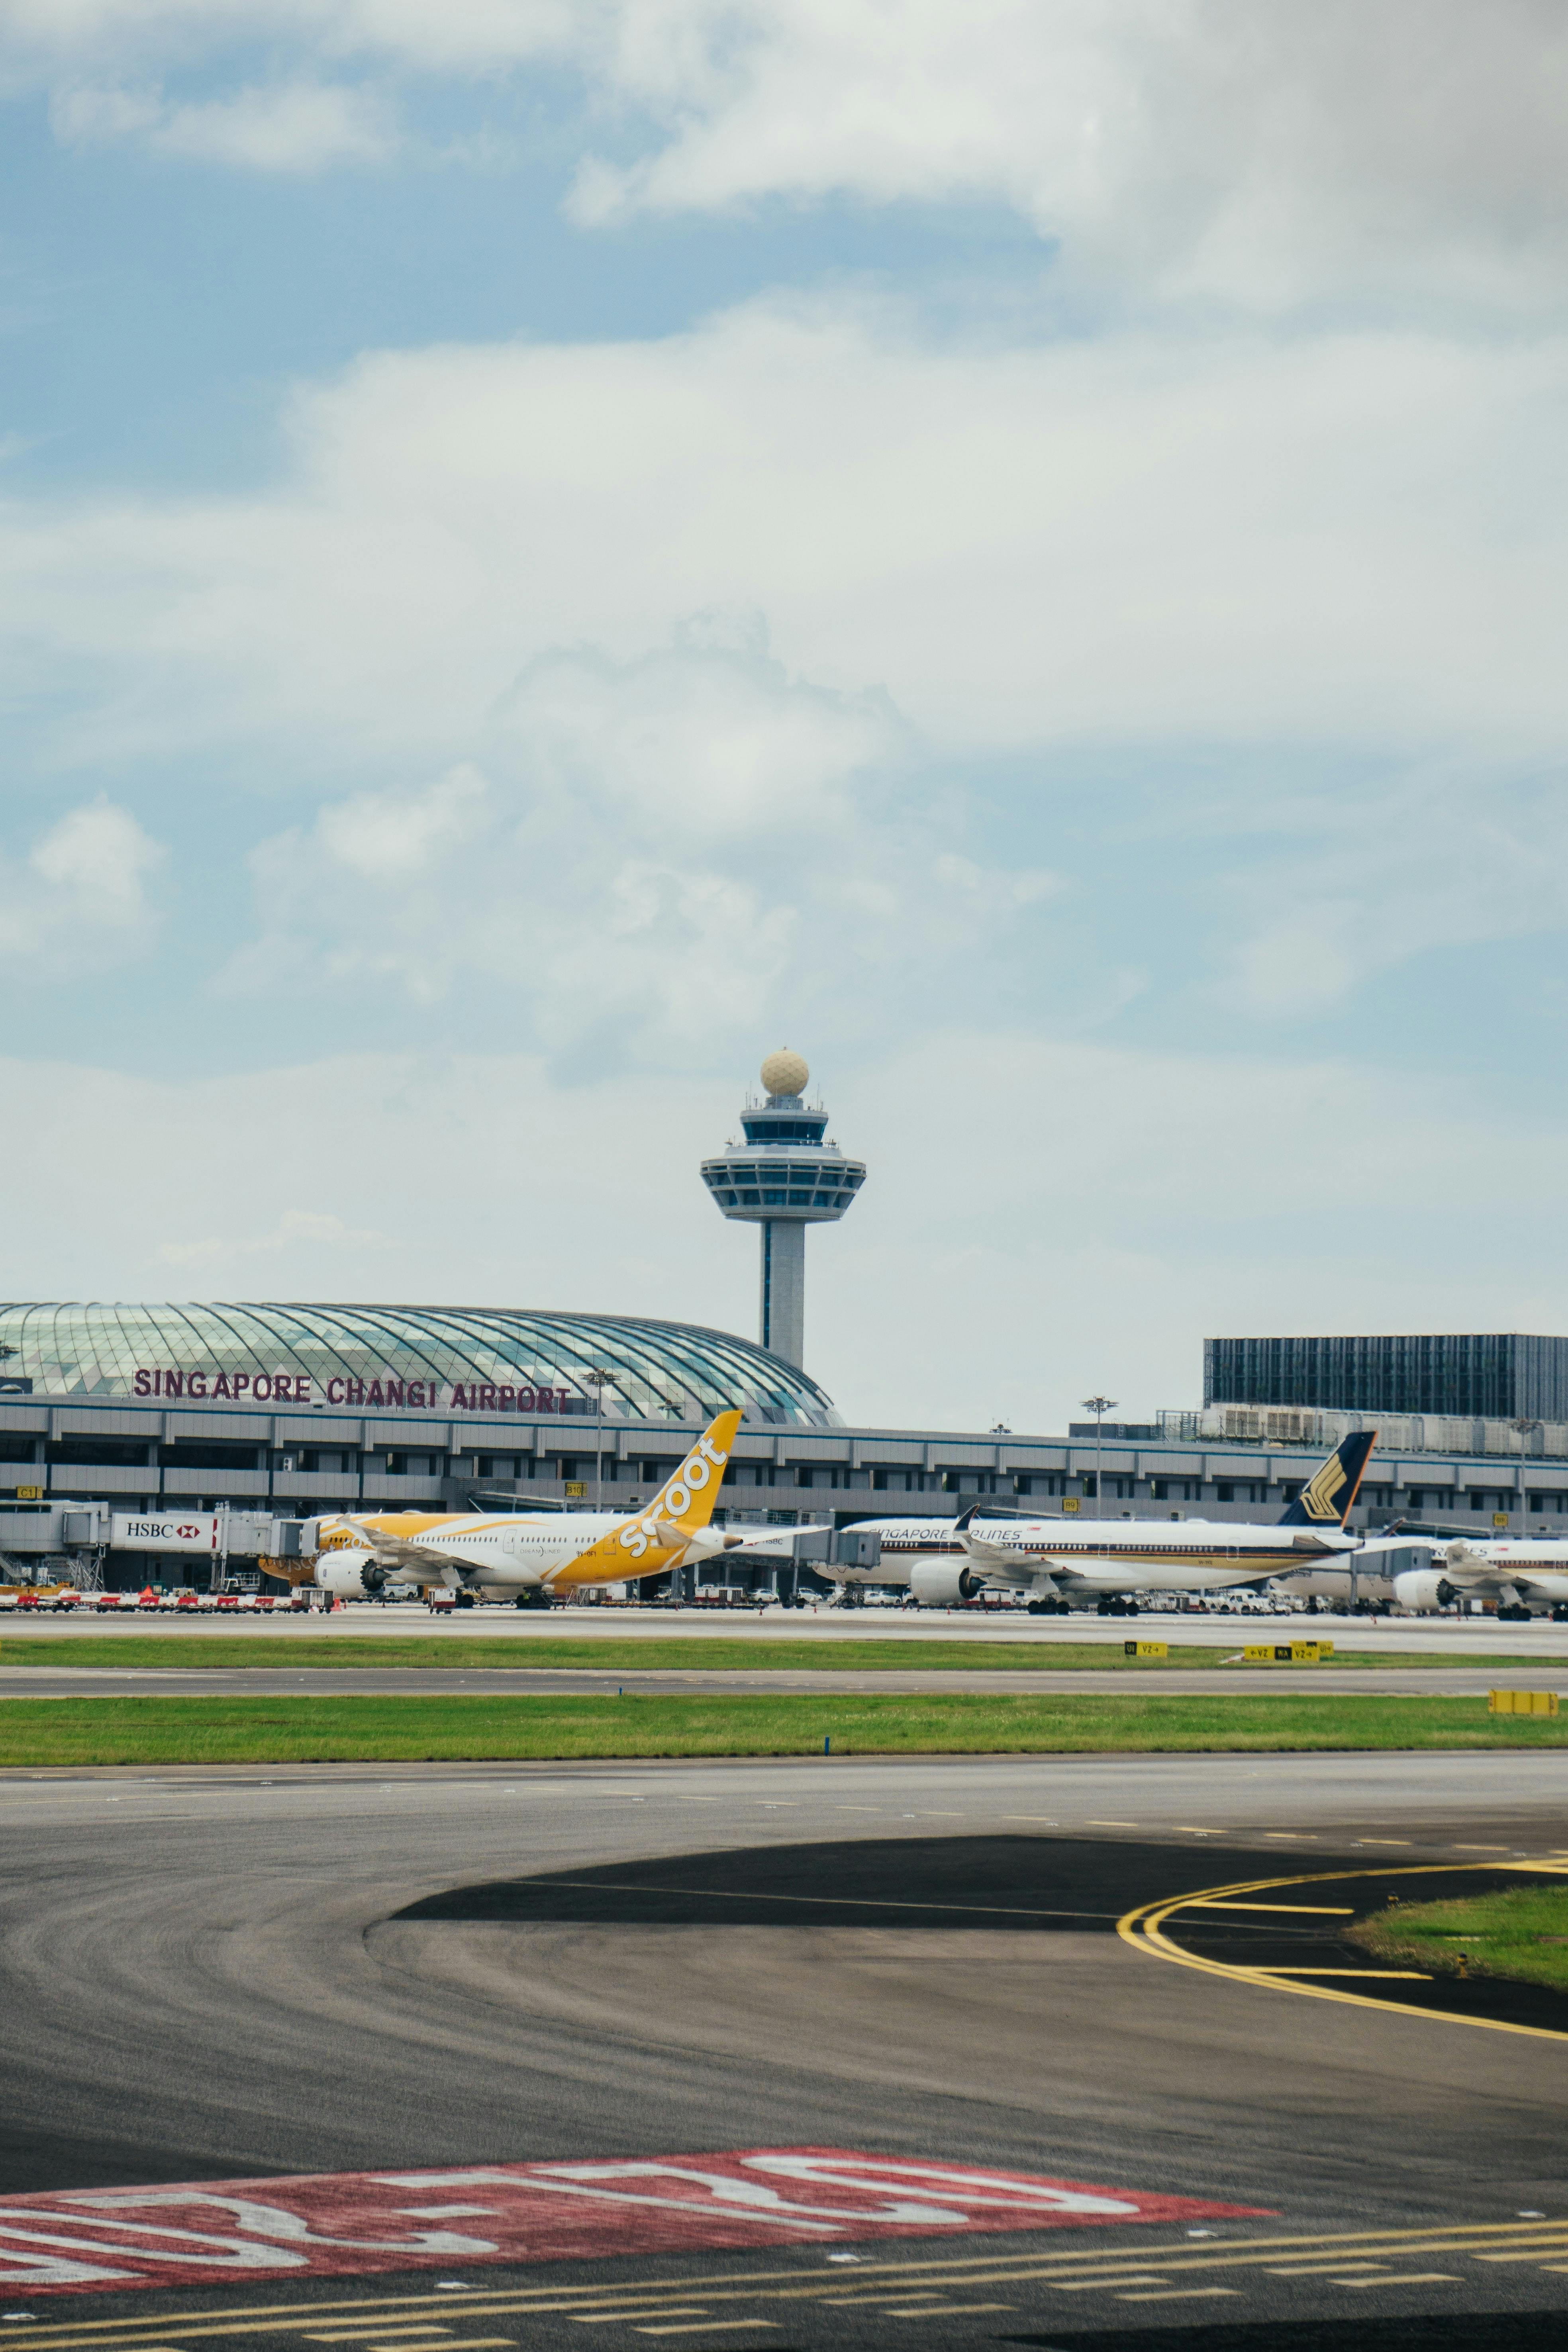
x=786 y=1073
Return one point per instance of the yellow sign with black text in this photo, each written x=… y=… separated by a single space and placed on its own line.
x=1146 y=1649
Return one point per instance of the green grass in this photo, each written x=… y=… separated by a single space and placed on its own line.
x=1502 y=1935
x=183 y=1645
x=37 y=1733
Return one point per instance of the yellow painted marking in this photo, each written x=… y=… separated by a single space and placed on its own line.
x=1420 y=1974
x=1086 y=2266
x=1402 y=2278
x=706 y=2326
x=1168 y=2294
x=1482 y=1849
x=1385 y=1841
x=1144 y=1929
x=371 y=2327
x=646 y=2309
x=939 y=2310
x=1112 y=2278
x=1306 y=1910
x=1111 y=1825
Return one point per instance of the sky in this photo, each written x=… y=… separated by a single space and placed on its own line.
x=550 y=547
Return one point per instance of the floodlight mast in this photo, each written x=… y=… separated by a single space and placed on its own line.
x=1100 y=1406
x=598 y=1379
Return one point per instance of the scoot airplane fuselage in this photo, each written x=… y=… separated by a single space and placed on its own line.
x=943 y=1559
x=519 y=1552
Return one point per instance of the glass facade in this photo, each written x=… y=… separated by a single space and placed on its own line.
x=1482 y=1376
x=287 y=1354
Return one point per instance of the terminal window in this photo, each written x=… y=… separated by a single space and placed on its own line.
x=189 y=1455
x=13 y=1447
x=118 y=1452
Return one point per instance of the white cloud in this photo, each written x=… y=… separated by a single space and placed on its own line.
x=1262 y=156
x=1347 y=539
x=1265 y=157
x=80 y=898
x=401 y=836
x=1440 y=864
x=481 y=574
x=671 y=846
x=703 y=738
x=294 y=1227
x=295 y=127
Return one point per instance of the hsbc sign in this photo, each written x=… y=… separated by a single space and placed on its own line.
x=176 y=1531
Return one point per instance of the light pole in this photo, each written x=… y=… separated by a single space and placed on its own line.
x=1100 y=1406
x=597 y=1380
x=1524 y=1428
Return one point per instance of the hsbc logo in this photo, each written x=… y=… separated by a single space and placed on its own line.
x=190 y=1534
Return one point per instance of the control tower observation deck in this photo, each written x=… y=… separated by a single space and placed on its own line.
x=783 y=1178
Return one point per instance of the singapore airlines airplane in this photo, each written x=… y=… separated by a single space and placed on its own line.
x=530 y=1556
x=1059 y=1560
x=1528 y=1575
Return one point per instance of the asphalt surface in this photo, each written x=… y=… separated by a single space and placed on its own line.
x=89 y=1682
x=210 y=1974
x=1449 y=1639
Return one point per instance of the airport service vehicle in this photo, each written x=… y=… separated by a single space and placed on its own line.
x=1058 y=1561
x=530 y=1556
x=1526 y=1578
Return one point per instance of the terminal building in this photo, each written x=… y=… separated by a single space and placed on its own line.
x=226 y=1420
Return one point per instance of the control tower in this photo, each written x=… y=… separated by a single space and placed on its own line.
x=783 y=1178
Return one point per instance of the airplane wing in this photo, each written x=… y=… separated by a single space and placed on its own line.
x=990 y=1555
x=767 y=1540
x=401 y=1552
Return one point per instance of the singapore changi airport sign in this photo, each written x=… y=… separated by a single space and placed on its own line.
x=298 y=1388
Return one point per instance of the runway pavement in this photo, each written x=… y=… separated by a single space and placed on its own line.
x=1454 y=1638
x=253 y=1681
x=247 y=1972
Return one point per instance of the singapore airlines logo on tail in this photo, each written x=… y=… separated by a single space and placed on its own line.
x=1320 y=1496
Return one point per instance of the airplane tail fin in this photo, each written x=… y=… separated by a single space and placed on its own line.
x=650 y=1538
x=687 y=1500
x=1325 y=1500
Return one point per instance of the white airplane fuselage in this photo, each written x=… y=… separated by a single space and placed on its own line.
x=1090 y=1557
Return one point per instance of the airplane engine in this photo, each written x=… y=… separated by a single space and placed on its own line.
x=937 y=1583
x=1422 y=1589
x=351 y=1573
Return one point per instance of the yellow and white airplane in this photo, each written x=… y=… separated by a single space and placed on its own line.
x=531 y=1555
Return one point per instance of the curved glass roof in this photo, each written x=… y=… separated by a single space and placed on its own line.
x=658 y=1370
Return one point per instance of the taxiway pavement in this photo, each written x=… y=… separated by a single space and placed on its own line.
x=213 y=1973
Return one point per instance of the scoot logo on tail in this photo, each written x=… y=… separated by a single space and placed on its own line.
x=705 y=1462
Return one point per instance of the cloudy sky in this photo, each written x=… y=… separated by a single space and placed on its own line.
x=548 y=547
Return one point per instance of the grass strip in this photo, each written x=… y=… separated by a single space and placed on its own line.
x=41 y=1733
x=272 y=1647
x=1522 y=1932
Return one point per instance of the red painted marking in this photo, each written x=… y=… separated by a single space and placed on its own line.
x=351 y=2225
